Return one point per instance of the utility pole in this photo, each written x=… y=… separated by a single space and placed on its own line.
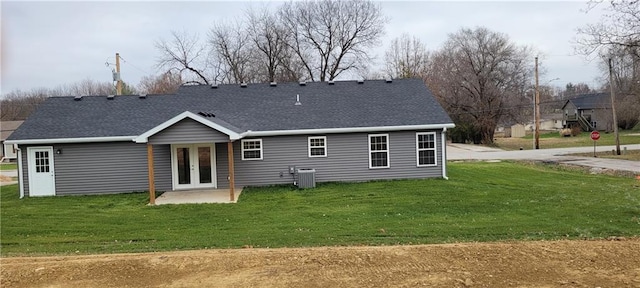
x=119 y=80
x=613 y=108
x=537 y=108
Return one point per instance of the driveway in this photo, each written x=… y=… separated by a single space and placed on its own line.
x=474 y=152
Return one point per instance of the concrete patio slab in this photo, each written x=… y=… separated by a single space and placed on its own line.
x=198 y=196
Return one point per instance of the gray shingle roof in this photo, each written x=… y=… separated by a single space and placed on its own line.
x=257 y=107
x=7 y=127
x=591 y=101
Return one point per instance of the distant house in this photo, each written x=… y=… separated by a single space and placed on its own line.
x=548 y=122
x=8 y=151
x=589 y=111
x=227 y=136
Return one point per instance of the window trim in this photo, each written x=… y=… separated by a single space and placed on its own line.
x=387 y=151
x=418 y=149
x=242 y=149
x=324 y=138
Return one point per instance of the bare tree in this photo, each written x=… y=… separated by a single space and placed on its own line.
x=165 y=83
x=619 y=26
x=184 y=53
x=474 y=76
x=273 y=54
x=17 y=105
x=617 y=36
x=330 y=37
x=406 y=57
x=233 y=50
x=84 y=87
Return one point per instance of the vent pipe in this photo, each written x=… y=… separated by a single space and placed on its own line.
x=298 y=100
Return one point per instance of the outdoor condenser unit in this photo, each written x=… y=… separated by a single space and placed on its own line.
x=306 y=178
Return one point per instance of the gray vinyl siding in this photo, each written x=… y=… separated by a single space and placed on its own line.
x=347 y=160
x=100 y=168
x=188 y=131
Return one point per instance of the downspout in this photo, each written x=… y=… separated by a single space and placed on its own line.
x=444 y=153
x=20 y=180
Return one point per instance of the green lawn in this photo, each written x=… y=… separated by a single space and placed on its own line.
x=555 y=140
x=480 y=202
x=633 y=155
x=8 y=166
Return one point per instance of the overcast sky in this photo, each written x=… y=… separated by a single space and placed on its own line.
x=46 y=44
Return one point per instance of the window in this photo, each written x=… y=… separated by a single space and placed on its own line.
x=42 y=162
x=252 y=149
x=318 y=146
x=379 y=151
x=426 y=148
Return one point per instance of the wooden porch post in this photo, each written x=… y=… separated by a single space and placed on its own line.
x=232 y=181
x=152 y=184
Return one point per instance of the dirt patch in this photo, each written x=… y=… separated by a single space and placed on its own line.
x=6 y=178
x=518 y=264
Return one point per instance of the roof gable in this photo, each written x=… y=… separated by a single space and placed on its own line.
x=144 y=137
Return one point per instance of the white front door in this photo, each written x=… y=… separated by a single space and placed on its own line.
x=193 y=166
x=42 y=181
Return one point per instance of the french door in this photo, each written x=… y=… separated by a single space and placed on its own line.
x=193 y=166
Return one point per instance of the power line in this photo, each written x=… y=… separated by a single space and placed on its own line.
x=134 y=66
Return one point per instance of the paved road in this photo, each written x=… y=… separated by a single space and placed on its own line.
x=474 y=152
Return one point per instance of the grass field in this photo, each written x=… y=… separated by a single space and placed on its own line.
x=480 y=202
x=8 y=166
x=554 y=140
x=633 y=155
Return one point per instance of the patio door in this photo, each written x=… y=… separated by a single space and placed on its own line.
x=193 y=166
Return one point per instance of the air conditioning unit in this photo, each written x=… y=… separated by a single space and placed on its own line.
x=306 y=178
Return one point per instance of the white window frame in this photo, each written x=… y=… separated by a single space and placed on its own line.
x=387 y=151
x=324 y=147
x=242 y=149
x=434 y=149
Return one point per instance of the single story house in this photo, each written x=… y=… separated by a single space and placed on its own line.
x=548 y=122
x=589 y=111
x=8 y=151
x=227 y=136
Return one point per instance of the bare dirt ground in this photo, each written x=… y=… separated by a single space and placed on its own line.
x=600 y=263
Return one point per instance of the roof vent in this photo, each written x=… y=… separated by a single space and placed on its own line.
x=360 y=81
x=273 y=84
x=243 y=84
x=206 y=114
x=214 y=86
x=110 y=97
x=331 y=82
x=298 y=100
x=303 y=83
x=77 y=98
x=388 y=80
x=142 y=96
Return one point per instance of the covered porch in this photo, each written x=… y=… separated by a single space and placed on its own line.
x=200 y=196
x=194 y=143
